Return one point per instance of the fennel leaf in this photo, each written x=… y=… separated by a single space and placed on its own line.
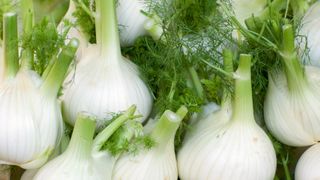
x=128 y=138
x=174 y=66
x=45 y=42
x=84 y=20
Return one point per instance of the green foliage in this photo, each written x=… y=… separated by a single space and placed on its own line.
x=45 y=42
x=197 y=14
x=5 y=6
x=194 y=32
x=213 y=88
x=183 y=45
x=85 y=20
x=128 y=138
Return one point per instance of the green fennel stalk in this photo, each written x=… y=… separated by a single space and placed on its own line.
x=10 y=40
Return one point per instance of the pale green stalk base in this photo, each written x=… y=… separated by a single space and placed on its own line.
x=243 y=103
x=292 y=67
x=82 y=136
x=10 y=39
x=104 y=135
x=57 y=73
x=167 y=126
x=107 y=32
x=27 y=54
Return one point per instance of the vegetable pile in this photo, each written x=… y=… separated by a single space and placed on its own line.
x=159 y=89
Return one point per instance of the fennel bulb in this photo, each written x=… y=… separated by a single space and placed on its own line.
x=292 y=116
x=309 y=164
x=159 y=162
x=292 y=99
x=310 y=29
x=85 y=158
x=64 y=141
x=133 y=23
x=228 y=144
x=29 y=110
x=104 y=81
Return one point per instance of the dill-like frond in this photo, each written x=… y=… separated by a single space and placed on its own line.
x=195 y=32
x=128 y=138
x=84 y=20
x=45 y=41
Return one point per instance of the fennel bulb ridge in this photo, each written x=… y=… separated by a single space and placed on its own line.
x=293 y=117
x=229 y=140
x=292 y=99
x=32 y=121
x=85 y=158
x=104 y=82
x=159 y=162
x=29 y=109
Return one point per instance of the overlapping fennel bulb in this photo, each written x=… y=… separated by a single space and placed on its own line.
x=134 y=23
x=64 y=142
x=309 y=164
x=310 y=29
x=85 y=158
x=159 y=162
x=293 y=97
x=229 y=144
x=104 y=81
x=29 y=111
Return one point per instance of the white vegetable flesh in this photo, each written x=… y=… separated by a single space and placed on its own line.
x=159 y=162
x=229 y=140
x=104 y=82
x=309 y=164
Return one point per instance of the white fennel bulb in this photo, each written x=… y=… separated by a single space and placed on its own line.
x=104 y=81
x=292 y=116
x=30 y=173
x=159 y=162
x=228 y=144
x=33 y=126
x=292 y=98
x=310 y=25
x=309 y=164
x=134 y=23
x=85 y=158
x=29 y=110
